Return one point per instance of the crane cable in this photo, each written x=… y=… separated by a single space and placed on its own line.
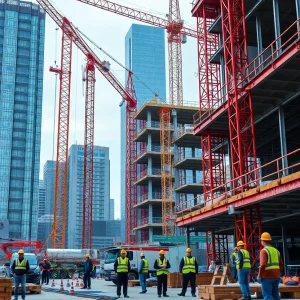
x=112 y=58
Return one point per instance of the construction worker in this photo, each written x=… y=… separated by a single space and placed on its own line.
x=88 y=267
x=234 y=257
x=143 y=273
x=270 y=268
x=46 y=271
x=122 y=267
x=243 y=267
x=161 y=266
x=189 y=268
x=20 y=268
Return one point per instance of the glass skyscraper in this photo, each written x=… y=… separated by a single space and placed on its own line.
x=145 y=56
x=101 y=190
x=22 y=33
x=49 y=182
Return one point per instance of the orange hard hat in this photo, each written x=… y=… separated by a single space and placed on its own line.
x=188 y=250
x=240 y=243
x=123 y=251
x=161 y=252
x=266 y=236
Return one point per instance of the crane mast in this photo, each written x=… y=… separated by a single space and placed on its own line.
x=88 y=177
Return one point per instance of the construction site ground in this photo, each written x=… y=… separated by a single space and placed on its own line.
x=108 y=289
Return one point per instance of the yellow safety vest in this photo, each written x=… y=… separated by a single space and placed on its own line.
x=122 y=265
x=21 y=265
x=246 y=260
x=146 y=266
x=189 y=265
x=273 y=258
x=162 y=271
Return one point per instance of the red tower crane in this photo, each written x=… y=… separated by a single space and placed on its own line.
x=71 y=34
x=176 y=35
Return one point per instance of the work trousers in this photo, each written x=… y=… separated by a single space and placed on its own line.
x=243 y=277
x=269 y=287
x=162 y=284
x=143 y=282
x=234 y=271
x=20 y=280
x=45 y=276
x=122 y=280
x=189 y=277
x=87 y=279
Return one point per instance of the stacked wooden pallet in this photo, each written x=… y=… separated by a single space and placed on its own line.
x=5 y=288
x=31 y=288
x=175 y=279
x=217 y=292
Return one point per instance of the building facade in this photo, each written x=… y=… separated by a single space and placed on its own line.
x=111 y=209
x=101 y=190
x=42 y=199
x=49 y=182
x=106 y=233
x=22 y=33
x=145 y=56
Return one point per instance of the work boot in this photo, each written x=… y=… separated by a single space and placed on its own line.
x=193 y=295
x=126 y=296
x=182 y=295
x=166 y=295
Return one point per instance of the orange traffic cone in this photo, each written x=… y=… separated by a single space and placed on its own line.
x=68 y=283
x=81 y=284
x=72 y=289
x=98 y=277
x=77 y=283
x=53 y=283
x=61 y=286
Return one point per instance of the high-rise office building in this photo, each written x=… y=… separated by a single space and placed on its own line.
x=111 y=209
x=42 y=199
x=49 y=182
x=101 y=190
x=22 y=33
x=145 y=56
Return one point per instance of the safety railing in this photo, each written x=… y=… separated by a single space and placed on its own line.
x=183 y=129
x=261 y=175
x=153 y=124
x=277 y=48
x=155 y=195
x=184 y=180
x=146 y=172
x=184 y=153
x=185 y=103
x=152 y=149
x=147 y=220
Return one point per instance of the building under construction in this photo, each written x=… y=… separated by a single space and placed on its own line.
x=249 y=83
x=165 y=141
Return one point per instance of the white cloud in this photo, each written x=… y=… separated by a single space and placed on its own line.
x=107 y=30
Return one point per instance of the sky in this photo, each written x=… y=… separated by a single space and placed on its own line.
x=108 y=30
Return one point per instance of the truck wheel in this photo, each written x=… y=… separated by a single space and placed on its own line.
x=114 y=281
x=132 y=276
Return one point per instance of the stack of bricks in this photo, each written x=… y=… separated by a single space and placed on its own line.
x=6 y=288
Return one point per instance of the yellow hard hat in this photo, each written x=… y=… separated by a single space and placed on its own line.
x=189 y=250
x=21 y=251
x=240 y=243
x=142 y=254
x=87 y=255
x=161 y=252
x=123 y=251
x=266 y=236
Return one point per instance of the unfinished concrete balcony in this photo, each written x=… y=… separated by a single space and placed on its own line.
x=185 y=137
x=154 y=222
x=152 y=153
x=149 y=128
x=189 y=185
x=188 y=159
x=154 y=199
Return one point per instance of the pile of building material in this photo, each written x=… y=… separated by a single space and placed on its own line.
x=175 y=279
x=6 y=288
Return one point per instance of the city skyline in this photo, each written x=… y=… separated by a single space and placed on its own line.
x=107 y=111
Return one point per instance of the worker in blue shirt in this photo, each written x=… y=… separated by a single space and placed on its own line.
x=143 y=273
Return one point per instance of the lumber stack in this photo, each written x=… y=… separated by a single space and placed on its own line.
x=6 y=288
x=217 y=292
x=175 y=279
